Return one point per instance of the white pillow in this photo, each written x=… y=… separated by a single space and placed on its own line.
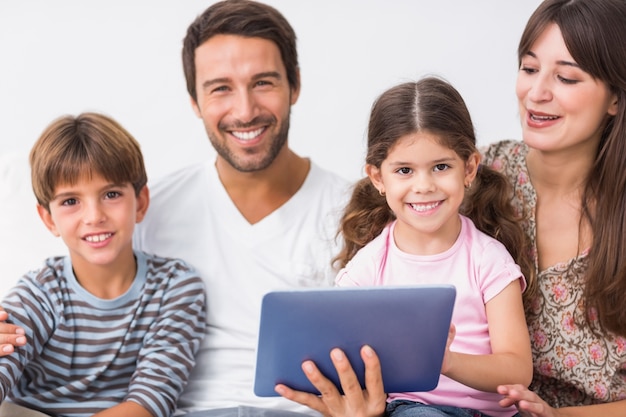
x=24 y=240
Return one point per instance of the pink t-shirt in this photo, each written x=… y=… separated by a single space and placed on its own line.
x=478 y=266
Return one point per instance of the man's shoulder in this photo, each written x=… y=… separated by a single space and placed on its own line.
x=179 y=190
x=328 y=182
x=180 y=176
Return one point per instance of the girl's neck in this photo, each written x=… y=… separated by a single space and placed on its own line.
x=422 y=243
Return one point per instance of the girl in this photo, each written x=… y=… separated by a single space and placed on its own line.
x=403 y=226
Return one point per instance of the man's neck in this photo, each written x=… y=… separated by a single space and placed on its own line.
x=258 y=194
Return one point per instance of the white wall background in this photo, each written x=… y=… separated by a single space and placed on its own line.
x=122 y=57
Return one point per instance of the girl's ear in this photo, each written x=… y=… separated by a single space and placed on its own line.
x=47 y=219
x=374 y=175
x=471 y=168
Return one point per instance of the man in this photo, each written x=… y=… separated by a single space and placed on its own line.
x=255 y=219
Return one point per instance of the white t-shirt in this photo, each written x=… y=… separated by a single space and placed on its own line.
x=192 y=217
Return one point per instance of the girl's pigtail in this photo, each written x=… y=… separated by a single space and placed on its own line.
x=488 y=204
x=364 y=218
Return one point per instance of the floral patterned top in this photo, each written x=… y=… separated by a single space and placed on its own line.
x=572 y=365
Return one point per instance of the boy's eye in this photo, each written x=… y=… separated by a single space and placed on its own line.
x=112 y=194
x=69 y=202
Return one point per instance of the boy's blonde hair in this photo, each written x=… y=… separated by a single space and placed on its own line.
x=75 y=147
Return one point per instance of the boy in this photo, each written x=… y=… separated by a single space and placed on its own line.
x=111 y=331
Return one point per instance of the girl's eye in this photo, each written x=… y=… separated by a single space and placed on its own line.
x=404 y=171
x=441 y=167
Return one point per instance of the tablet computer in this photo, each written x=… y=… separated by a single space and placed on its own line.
x=407 y=327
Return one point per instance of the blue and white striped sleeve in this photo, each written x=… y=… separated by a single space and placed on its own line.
x=168 y=352
x=31 y=306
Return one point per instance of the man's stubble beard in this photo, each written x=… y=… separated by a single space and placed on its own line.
x=245 y=165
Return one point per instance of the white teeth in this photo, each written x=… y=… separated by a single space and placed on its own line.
x=424 y=207
x=98 y=238
x=248 y=135
x=534 y=117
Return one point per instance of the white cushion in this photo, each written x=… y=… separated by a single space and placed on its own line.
x=24 y=240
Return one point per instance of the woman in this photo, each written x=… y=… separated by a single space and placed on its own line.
x=569 y=178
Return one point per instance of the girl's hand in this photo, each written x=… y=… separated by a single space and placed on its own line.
x=356 y=402
x=527 y=402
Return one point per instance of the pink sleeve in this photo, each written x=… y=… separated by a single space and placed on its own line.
x=498 y=271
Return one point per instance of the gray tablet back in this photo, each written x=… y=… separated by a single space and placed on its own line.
x=406 y=326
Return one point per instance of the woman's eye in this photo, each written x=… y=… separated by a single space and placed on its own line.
x=567 y=80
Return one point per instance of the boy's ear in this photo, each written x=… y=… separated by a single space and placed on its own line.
x=143 y=201
x=374 y=174
x=46 y=217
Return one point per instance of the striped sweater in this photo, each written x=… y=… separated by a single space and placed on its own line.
x=87 y=354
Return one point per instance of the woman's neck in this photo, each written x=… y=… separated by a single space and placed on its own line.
x=563 y=173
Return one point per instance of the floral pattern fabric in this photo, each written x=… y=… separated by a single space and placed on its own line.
x=574 y=363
